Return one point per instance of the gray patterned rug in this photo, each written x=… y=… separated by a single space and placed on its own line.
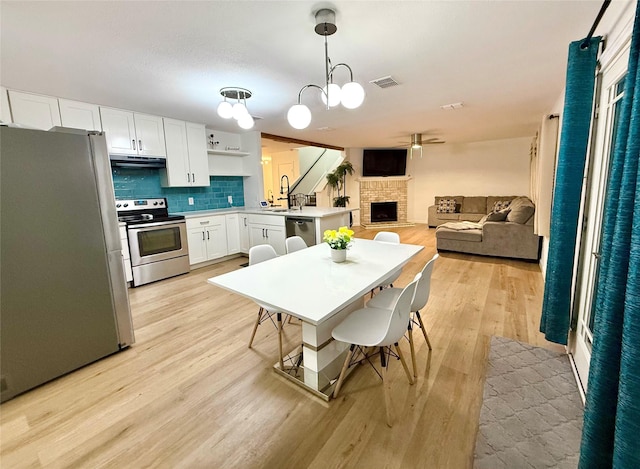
x=531 y=413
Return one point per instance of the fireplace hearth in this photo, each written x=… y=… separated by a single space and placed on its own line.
x=384 y=212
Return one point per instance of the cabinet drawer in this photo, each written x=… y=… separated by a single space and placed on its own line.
x=275 y=220
x=203 y=222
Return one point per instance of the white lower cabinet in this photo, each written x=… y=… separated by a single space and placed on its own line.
x=207 y=238
x=243 y=225
x=233 y=233
x=267 y=229
x=126 y=257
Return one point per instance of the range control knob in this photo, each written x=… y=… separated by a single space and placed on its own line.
x=118 y=205
x=162 y=202
x=155 y=203
x=126 y=205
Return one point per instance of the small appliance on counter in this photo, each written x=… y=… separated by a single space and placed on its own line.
x=157 y=240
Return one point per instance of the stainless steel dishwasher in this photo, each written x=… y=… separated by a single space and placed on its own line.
x=304 y=227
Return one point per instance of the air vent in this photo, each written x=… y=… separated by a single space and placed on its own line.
x=385 y=82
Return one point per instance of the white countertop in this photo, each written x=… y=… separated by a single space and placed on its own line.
x=312 y=212
x=309 y=285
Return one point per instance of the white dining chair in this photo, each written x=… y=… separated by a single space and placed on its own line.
x=393 y=238
x=386 y=299
x=294 y=243
x=257 y=254
x=380 y=329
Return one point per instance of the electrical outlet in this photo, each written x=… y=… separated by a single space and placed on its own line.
x=230 y=199
x=190 y=200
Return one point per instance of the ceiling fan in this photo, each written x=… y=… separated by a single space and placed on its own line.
x=417 y=142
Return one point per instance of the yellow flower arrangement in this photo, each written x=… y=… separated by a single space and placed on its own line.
x=338 y=239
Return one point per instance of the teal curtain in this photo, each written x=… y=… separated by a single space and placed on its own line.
x=611 y=431
x=574 y=140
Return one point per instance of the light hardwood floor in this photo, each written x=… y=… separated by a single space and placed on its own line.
x=190 y=393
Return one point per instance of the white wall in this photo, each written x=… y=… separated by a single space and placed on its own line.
x=495 y=167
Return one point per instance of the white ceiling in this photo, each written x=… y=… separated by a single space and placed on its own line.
x=505 y=60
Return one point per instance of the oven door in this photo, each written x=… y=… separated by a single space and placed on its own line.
x=153 y=242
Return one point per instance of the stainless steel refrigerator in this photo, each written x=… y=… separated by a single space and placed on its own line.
x=63 y=295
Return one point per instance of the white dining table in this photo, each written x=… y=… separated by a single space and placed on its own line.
x=308 y=285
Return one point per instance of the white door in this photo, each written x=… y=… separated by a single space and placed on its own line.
x=612 y=90
x=34 y=110
x=243 y=224
x=257 y=235
x=198 y=157
x=178 y=174
x=197 y=245
x=79 y=115
x=233 y=233
x=150 y=134
x=216 y=238
x=120 y=131
x=276 y=238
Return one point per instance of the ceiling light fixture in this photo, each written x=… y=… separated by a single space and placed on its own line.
x=237 y=110
x=350 y=95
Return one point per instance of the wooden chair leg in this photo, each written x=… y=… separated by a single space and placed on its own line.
x=255 y=327
x=404 y=363
x=413 y=350
x=424 y=330
x=386 y=386
x=279 y=322
x=343 y=371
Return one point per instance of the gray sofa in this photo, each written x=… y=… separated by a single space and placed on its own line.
x=468 y=208
x=503 y=233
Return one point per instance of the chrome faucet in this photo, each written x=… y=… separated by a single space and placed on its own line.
x=282 y=188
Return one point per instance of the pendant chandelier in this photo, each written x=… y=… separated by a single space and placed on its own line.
x=237 y=110
x=350 y=95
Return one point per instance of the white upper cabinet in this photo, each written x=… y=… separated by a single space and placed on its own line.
x=5 y=113
x=150 y=133
x=187 y=164
x=198 y=159
x=130 y=133
x=34 y=110
x=79 y=115
x=120 y=131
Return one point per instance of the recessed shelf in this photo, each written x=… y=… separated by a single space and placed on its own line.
x=227 y=152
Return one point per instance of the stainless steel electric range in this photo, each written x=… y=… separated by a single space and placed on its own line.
x=157 y=240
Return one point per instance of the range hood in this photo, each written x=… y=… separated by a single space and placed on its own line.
x=130 y=161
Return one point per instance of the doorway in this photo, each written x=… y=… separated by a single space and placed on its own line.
x=612 y=91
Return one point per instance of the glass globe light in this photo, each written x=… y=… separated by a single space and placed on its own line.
x=352 y=95
x=225 y=110
x=246 y=122
x=334 y=95
x=299 y=116
x=239 y=110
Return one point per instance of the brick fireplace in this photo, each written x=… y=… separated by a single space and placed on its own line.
x=387 y=189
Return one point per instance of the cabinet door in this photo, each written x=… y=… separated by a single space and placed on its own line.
x=257 y=235
x=120 y=130
x=150 y=134
x=5 y=113
x=34 y=110
x=198 y=157
x=197 y=245
x=79 y=115
x=243 y=225
x=276 y=237
x=216 y=238
x=177 y=171
x=233 y=233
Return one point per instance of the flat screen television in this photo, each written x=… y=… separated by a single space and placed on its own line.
x=378 y=162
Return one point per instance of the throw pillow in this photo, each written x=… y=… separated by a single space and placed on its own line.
x=446 y=206
x=521 y=210
x=498 y=216
x=500 y=205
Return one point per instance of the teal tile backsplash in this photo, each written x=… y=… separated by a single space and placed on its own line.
x=144 y=183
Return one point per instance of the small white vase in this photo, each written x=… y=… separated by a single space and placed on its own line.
x=338 y=255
